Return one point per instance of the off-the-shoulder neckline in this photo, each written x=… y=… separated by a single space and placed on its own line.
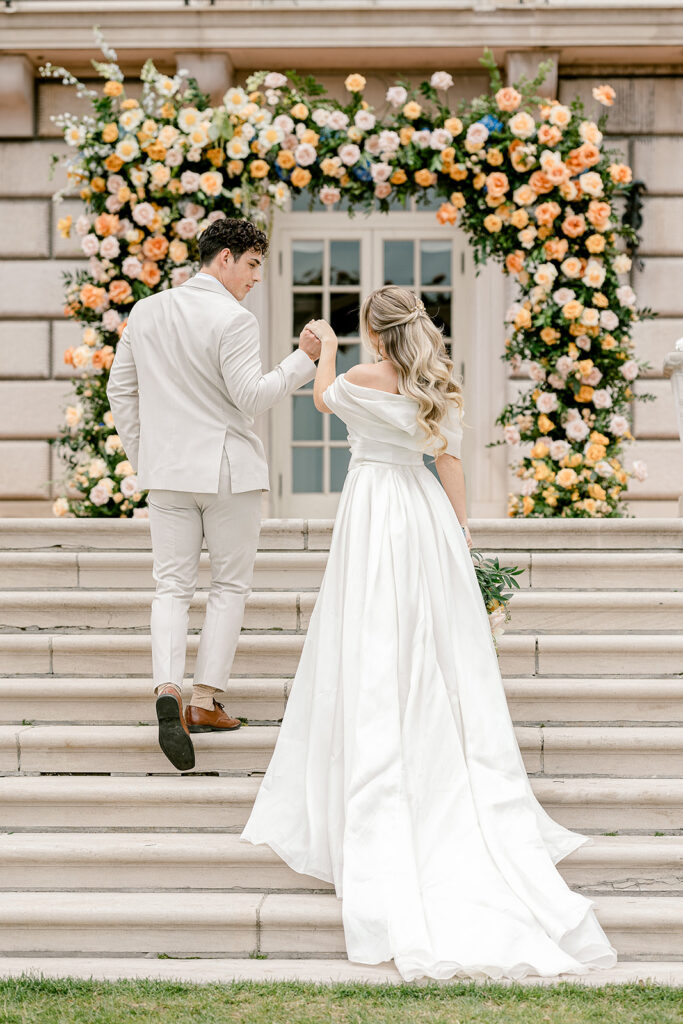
x=376 y=391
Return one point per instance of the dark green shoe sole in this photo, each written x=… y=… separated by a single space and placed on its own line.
x=173 y=740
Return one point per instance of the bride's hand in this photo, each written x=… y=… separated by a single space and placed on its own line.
x=468 y=537
x=323 y=330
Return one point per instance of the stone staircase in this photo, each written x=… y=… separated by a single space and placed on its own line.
x=106 y=852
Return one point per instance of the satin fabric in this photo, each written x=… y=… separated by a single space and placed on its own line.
x=397 y=775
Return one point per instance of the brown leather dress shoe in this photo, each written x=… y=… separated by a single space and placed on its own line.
x=174 y=737
x=199 y=720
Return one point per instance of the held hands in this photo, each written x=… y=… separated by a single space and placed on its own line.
x=310 y=344
x=322 y=330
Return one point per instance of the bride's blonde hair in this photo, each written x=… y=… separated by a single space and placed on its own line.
x=415 y=345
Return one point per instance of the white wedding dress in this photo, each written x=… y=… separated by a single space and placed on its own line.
x=397 y=775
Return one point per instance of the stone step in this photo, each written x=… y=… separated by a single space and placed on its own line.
x=60 y=802
x=271 y=923
x=546 y=654
x=222 y=862
x=643 y=533
x=547 y=750
x=644 y=611
x=292 y=570
x=328 y=971
x=108 y=700
x=98 y=610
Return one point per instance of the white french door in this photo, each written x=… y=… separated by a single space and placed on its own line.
x=325 y=264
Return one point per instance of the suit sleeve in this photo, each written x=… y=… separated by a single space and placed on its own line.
x=122 y=392
x=250 y=390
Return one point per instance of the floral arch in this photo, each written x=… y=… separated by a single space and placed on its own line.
x=526 y=177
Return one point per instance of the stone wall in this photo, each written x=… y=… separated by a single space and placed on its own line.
x=646 y=124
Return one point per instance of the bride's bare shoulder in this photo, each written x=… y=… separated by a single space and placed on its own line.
x=380 y=376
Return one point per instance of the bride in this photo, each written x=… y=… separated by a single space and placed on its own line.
x=397 y=775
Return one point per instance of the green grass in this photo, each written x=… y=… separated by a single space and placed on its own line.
x=68 y=1001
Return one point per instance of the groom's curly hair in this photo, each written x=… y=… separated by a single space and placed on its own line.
x=233 y=233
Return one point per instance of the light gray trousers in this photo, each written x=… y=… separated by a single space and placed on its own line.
x=179 y=520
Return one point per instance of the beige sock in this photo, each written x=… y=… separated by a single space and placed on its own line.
x=161 y=686
x=202 y=696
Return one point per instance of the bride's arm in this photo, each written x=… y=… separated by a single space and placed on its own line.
x=452 y=477
x=327 y=364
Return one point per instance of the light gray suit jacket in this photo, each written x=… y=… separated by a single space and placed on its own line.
x=187 y=382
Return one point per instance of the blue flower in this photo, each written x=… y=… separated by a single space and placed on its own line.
x=492 y=123
x=361 y=170
x=281 y=173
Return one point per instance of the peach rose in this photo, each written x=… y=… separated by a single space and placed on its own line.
x=540 y=182
x=508 y=99
x=585 y=393
x=287 y=160
x=120 y=291
x=113 y=88
x=572 y=267
x=598 y=214
x=497 y=183
x=106 y=224
x=446 y=214
x=595 y=243
x=524 y=195
x=621 y=174
x=93 y=297
x=549 y=134
x=514 y=261
x=103 y=357
x=412 y=110
x=211 y=182
x=113 y=163
x=398 y=177
x=522 y=125
x=519 y=218
x=604 y=94
x=547 y=212
x=177 y=251
x=110 y=132
x=493 y=223
x=259 y=169
x=556 y=248
x=354 y=83
x=566 y=477
x=299 y=111
x=453 y=125
x=155 y=247
x=572 y=310
x=150 y=273
x=574 y=225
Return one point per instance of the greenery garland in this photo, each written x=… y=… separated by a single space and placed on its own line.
x=525 y=177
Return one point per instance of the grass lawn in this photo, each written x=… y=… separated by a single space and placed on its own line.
x=65 y=1001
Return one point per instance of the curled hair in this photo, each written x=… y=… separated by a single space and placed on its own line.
x=234 y=233
x=415 y=345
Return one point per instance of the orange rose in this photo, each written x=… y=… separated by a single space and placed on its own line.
x=150 y=273
x=540 y=182
x=299 y=111
x=92 y=297
x=98 y=184
x=458 y=172
x=424 y=177
x=113 y=163
x=300 y=177
x=458 y=200
x=235 y=168
x=549 y=335
x=216 y=156
x=572 y=309
x=398 y=177
x=447 y=214
x=155 y=151
x=106 y=224
x=155 y=247
x=519 y=219
x=69 y=356
x=406 y=133
x=287 y=160
x=120 y=291
x=411 y=110
x=574 y=225
x=113 y=89
x=259 y=169
x=110 y=132
x=585 y=393
x=514 y=261
x=595 y=243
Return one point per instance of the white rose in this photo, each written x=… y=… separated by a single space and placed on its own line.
x=477 y=133
x=113 y=444
x=609 y=320
x=396 y=95
x=305 y=154
x=381 y=172
x=440 y=138
x=639 y=469
x=626 y=295
x=90 y=244
x=536 y=371
x=564 y=295
x=622 y=263
x=558 y=450
x=618 y=425
x=99 y=495
x=365 y=120
x=603 y=468
x=602 y=399
x=441 y=80
x=629 y=369
x=129 y=485
x=320 y=117
x=389 y=141
x=576 y=429
x=349 y=154
x=274 y=80
x=546 y=401
x=60 y=507
x=511 y=434
x=124 y=468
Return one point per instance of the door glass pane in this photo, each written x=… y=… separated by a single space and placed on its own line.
x=398 y=262
x=307 y=262
x=305 y=308
x=438 y=305
x=339 y=462
x=307 y=470
x=307 y=422
x=344 y=313
x=347 y=356
x=338 y=429
x=345 y=262
x=436 y=263
x=429 y=199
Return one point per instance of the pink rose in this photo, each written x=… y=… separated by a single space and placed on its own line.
x=396 y=95
x=179 y=275
x=383 y=189
x=186 y=227
x=349 y=154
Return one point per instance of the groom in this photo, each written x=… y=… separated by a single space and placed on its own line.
x=184 y=388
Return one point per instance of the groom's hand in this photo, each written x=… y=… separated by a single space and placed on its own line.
x=310 y=344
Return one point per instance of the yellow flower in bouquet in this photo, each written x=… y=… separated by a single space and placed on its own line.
x=412 y=110
x=545 y=424
x=354 y=83
x=566 y=478
x=112 y=89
